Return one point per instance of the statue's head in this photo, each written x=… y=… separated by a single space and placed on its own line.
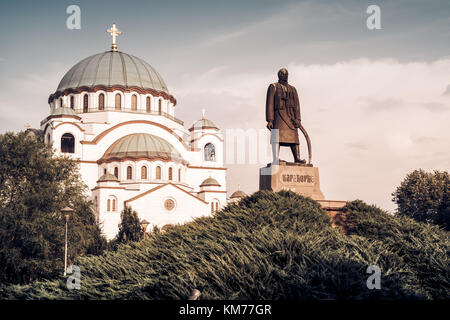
x=283 y=75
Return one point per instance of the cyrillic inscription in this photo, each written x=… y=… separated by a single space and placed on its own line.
x=297 y=178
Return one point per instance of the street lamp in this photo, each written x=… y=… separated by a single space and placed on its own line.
x=144 y=224
x=66 y=212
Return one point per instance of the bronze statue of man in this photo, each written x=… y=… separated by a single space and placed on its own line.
x=283 y=114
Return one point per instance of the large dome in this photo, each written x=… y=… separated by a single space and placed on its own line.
x=141 y=145
x=112 y=68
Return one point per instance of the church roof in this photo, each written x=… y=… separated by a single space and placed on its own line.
x=238 y=194
x=141 y=145
x=108 y=177
x=203 y=123
x=112 y=68
x=210 y=182
x=64 y=111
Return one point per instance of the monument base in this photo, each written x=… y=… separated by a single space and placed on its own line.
x=299 y=178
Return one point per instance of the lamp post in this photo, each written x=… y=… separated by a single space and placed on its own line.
x=66 y=212
x=144 y=224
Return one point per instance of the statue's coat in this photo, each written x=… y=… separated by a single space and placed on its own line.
x=283 y=108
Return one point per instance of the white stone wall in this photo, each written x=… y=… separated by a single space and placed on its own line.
x=187 y=207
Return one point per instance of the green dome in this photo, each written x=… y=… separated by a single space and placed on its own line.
x=203 y=123
x=238 y=194
x=112 y=68
x=210 y=182
x=141 y=145
x=107 y=177
x=64 y=111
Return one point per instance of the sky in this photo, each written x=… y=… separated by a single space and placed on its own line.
x=376 y=103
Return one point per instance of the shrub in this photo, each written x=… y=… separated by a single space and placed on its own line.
x=267 y=246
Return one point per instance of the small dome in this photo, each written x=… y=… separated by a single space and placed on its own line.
x=210 y=182
x=112 y=68
x=108 y=177
x=64 y=111
x=38 y=133
x=203 y=124
x=141 y=145
x=238 y=194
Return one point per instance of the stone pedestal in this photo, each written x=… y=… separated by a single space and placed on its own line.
x=299 y=178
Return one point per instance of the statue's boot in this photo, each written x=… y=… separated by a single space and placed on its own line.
x=296 y=152
x=276 y=152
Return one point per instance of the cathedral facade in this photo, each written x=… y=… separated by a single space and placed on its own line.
x=114 y=113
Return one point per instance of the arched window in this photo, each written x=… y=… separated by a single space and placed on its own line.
x=158 y=172
x=214 y=205
x=210 y=152
x=111 y=204
x=85 y=103
x=179 y=175
x=116 y=172
x=147 y=104
x=159 y=106
x=129 y=173
x=170 y=174
x=118 y=102
x=61 y=102
x=67 y=143
x=72 y=102
x=144 y=173
x=104 y=171
x=101 y=101
x=134 y=102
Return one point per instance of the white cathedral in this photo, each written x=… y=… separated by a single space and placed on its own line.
x=113 y=113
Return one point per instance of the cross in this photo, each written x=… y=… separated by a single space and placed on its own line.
x=114 y=32
x=203 y=113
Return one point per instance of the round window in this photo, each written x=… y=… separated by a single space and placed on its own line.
x=169 y=204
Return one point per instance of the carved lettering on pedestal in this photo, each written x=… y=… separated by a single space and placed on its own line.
x=297 y=178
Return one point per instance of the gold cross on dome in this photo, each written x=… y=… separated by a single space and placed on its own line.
x=114 y=32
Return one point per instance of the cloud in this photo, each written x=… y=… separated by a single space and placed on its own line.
x=24 y=100
x=425 y=140
x=436 y=107
x=447 y=91
x=358 y=146
x=380 y=107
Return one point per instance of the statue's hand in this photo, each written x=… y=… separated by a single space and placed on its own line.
x=270 y=125
x=296 y=123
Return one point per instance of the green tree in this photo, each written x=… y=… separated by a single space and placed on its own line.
x=443 y=214
x=423 y=196
x=130 y=228
x=34 y=186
